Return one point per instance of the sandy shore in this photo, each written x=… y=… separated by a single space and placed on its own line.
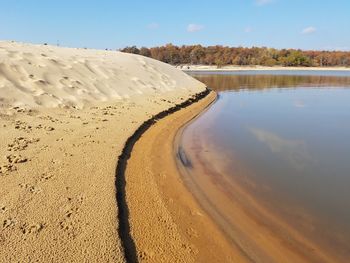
x=169 y=223
x=166 y=222
x=65 y=117
x=256 y=68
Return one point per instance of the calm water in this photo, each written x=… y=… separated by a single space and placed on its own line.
x=285 y=138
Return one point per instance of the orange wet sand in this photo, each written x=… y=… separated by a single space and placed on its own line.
x=166 y=222
x=170 y=223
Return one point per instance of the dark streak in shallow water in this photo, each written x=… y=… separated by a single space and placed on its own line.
x=127 y=241
x=186 y=162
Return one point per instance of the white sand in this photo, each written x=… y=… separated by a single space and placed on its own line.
x=48 y=76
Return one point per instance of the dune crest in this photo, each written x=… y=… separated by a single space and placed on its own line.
x=49 y=76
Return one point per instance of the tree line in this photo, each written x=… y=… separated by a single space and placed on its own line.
x=242 y=56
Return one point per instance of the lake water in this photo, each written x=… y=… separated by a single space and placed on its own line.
x=270 y=162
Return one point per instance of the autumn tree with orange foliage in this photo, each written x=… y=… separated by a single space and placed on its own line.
x=241 y=56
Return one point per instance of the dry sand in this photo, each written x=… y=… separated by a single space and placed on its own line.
x=255 y=68
x=65 y=117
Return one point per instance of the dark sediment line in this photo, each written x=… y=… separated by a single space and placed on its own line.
x=127 y=241
x=181 y=155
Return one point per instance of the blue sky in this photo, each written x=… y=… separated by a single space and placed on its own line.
x=305 y=24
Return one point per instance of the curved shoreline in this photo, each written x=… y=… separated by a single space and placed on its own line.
x=244 y=219
x=128 y=244
x=166 y=222
x=184 y=163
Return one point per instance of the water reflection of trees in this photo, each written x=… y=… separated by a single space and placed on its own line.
x=236 y=82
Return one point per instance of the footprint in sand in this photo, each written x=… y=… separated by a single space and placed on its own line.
x=21 y=125
x=21 y=143
x=46 y=176
x=55 y=62
x=145 y=255
x=192 y=232
x=18 y=109
x=48 y=118
x=74 y=116
x=70 y=220
x=34 y=189
x=49 y=128
x=27 y=229
x=31 y=188
x=3 y=209
x=7 y=168
x=189 y=249
x=12 y=159
x=9 y=223
x=10 y=166
x=42 y=82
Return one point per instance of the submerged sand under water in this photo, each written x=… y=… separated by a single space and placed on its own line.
x=271 y=166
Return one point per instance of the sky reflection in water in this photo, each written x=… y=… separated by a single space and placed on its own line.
x=292 y=133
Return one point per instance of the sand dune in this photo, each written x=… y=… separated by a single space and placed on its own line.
x=65 y=115
x=48 y=76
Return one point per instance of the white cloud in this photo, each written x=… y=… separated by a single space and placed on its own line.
x=194 y=27
x=153 y=26
x=248 y=29
x=293 y=151
x=263 y=2
x=308 y=30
